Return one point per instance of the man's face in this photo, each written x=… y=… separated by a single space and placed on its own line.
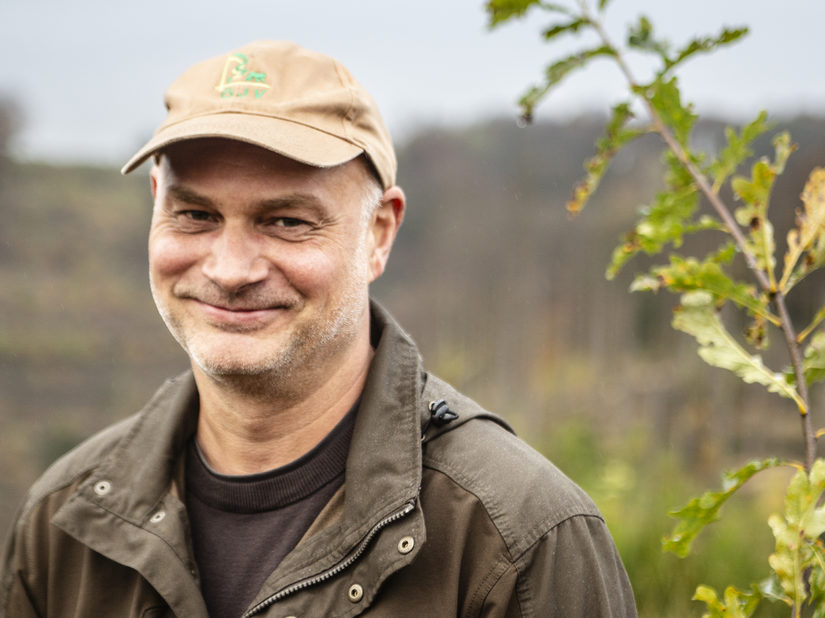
x=259 y=264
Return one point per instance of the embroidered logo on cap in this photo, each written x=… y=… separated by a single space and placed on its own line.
x=237 y=80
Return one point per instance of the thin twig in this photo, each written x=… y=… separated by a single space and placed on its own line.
x=799 y=373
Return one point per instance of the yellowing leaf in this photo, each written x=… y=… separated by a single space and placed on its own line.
x=755 y=193
x=737 y=604
x=798 y=549
x=689 y=274
x=809 y=234
x=697 y=317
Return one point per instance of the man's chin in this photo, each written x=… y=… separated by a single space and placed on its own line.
x=228 y=367
x=238 y=360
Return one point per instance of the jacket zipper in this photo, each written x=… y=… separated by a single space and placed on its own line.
x=351 y=559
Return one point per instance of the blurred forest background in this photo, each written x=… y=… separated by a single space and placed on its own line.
x=505 y=296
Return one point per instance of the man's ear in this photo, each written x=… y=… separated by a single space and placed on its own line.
x=384 y=225
x=153 y=180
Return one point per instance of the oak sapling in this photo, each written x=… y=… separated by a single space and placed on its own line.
x=707 y=283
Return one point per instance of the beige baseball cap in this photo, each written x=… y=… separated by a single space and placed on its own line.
x=279 y=96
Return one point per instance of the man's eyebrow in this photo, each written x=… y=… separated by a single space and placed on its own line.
x=188 y=196
x=294 y=200
x=291 y=201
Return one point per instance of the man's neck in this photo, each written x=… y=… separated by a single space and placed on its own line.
x=246 y=430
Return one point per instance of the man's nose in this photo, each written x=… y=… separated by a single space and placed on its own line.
x=235 y=260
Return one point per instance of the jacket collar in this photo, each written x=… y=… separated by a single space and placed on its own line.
x=384 y=464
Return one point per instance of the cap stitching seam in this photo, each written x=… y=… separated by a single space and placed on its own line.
x=345 y=138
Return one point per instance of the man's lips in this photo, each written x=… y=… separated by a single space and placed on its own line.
x=249 y=316
x=241 y=308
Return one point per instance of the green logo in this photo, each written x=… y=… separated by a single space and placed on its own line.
x=237 y=80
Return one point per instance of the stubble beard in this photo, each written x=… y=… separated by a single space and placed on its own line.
x=290 y=365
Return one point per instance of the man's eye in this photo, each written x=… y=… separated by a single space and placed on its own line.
x=288 y=222
x=197 y=215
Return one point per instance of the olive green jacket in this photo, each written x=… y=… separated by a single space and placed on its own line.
x=464 y=521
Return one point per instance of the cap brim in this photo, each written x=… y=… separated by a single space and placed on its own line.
x=290 y=139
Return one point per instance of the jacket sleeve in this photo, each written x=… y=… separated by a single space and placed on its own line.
x=14 y=596
x=573 y=571
x=15 y=601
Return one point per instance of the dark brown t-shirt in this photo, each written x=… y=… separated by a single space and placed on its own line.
x=243 y=526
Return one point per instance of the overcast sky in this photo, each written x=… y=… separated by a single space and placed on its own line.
x=90 y=74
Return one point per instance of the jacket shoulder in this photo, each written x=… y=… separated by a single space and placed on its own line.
x=524 y=494
x=77 y=463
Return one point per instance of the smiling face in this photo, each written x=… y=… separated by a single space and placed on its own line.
x=261 y=265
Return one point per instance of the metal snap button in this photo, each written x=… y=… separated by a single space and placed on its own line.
x=102 y=488
x=406 y=544
x=158 y=517
x=355 y=593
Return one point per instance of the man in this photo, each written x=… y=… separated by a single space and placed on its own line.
x=307 y=465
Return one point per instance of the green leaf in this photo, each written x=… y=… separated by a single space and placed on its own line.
x=641 y=37
x=816 y=584
x=500 y=11
x=664 y=222
x=708 y=596
x=813 y=363
x=770 y=589
x=571 y=26
x=801 y=509
x=554 y=74
x=737 y=149
x=705 y=44
x=755 y=192
x=667 y=101
x=616 y=136
x=697 y=316
x=815 y=322
x=740 y=604
x=809 y=234
x=701 y=511
x=689 y=274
